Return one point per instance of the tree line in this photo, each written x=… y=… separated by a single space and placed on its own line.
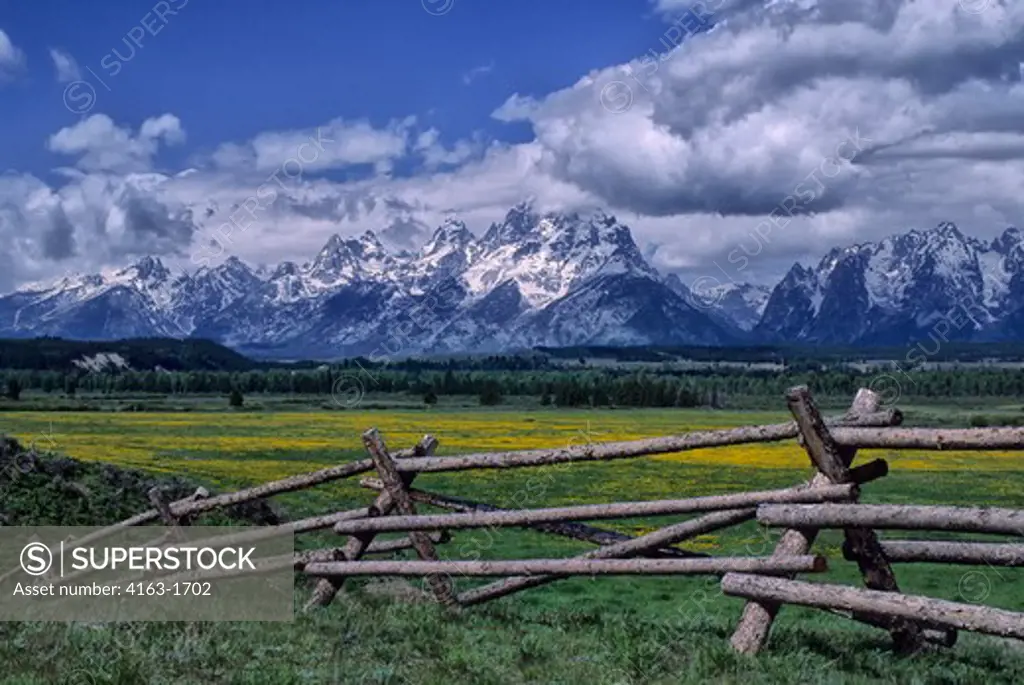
x=582 y=387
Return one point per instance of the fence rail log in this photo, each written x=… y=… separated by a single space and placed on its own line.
x=930 y=438
x=967 y=553
x=894 y=517
x=633 y=547
x=634 y=448
x=913 y=608
x=576 y=531
x=581 y=567
x=191 y=506
x=526 y=517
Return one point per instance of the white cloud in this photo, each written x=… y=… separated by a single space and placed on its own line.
x=477 y=72
x=334 y=145
x=11 y=58
x=428 y=145
x=102 y=145
x=66 y=66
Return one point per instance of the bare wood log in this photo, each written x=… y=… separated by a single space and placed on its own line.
x=631 y=448
x=201 y=493
x=937 y=635
x=931 y=438
x=526 y=517
x=967 y=553
x=871 y=471
x=818 y=441
x=581 y=567
x=576 y=531
x=156 y=498
x=296 y=561
x=257 y=533
x=634 y=547
x=193 y=505
x=895 y=516
x=910 y=607
x=327 y=588
x=442 y=586
x=388 y=546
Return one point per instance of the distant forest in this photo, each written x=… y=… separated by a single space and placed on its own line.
x=568 y=377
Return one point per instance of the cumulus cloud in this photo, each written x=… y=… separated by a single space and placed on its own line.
x=102 y=145
x=728 y=120
x=66 y=66
x=96 y=219
x=429 y=146
x=11 y=58
x=335 y=145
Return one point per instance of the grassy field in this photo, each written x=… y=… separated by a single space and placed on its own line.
x=623 y=630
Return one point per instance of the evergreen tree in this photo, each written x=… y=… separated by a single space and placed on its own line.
x=13 y=388
x=490 y=394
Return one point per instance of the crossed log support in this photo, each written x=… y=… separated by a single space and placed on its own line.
x=393 y=497
x=833 y=463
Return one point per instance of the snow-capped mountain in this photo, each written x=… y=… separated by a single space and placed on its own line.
x=531 y=279
x=898 y=289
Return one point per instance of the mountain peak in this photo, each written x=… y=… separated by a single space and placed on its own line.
x=452 y=234
x=1008 y=242
x=333 y=244
x=146 y=269
x=948 y=229
x=518 y=223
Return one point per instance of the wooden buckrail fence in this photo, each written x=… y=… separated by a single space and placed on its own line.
x=829 y=500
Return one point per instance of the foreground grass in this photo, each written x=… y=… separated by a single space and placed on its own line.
x=368 y=639
x=609 y=630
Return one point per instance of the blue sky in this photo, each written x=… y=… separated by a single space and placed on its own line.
x=229 y=70
x=791 y=128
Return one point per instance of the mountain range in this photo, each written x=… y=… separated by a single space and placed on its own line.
x=938 y=284
x=532 y=280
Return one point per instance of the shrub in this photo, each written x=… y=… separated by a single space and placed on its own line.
x=980 y=421
x=236 y=399
x=430 y=397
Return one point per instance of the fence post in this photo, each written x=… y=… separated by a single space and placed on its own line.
x=355 y=548
x=159 y=502
x=833 y=464
x=397 y=485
